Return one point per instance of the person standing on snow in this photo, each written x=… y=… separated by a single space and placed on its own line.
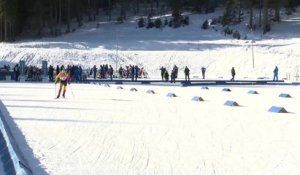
x=173 y=76
x=95 y=71
x=64 y=78
x=17 y=72
x=187 y=73
x=203 y=70
x=51 y=72
x=275 y=71
x=136 y=72
x=121 y=70
x=110 y=72
x=166 y=76
x=162 y=72
x=232 y=74
x=176 y=71
x=57 y=70
x=132 y=72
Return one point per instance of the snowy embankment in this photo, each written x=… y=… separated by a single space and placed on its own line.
x=187 y=46
x=10 y=162
x=104 y=130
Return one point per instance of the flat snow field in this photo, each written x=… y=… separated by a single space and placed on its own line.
x=102 y=130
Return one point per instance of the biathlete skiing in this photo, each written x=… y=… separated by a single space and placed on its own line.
x=64 y=78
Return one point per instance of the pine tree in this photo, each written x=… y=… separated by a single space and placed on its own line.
x=68 y=15
x=124 y=5
x=251 y=4
x=229 y=14
x=9 y=17
x=266 y=24
x=251 y=15
x=290 y=5
x=175 y=6
x=17 y=16
x=78 y=11
x=275 y=4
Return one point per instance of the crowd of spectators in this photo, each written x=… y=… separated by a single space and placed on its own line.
x=5 y=68
x=132 y=71
x=105 y=71
x=4 y=72
x=33 y=73
x=77 y=73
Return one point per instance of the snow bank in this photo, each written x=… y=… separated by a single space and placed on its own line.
x=11 y=161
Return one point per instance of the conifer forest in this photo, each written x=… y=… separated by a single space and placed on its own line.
x=52 y=18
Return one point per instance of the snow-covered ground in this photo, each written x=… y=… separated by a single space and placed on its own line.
x=105 y=130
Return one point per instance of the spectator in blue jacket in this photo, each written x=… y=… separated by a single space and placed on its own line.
x=275 y=71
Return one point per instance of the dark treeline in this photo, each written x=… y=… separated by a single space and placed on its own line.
x=233 y=11
x=36 y=18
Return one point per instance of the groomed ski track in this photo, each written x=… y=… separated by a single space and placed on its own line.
x=106 y=130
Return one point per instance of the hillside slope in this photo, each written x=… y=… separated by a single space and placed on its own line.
x=187 y=46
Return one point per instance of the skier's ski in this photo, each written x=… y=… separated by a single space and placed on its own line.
x=62 y=97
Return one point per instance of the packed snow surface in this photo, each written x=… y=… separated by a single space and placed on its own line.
x=106 y=130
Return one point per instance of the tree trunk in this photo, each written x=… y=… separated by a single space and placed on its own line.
x=55 y=6
x=10 y=35
x=1 y=29
x=260 y=11
x=60 y=12
x=109 y=8
x=89 y=10
x=8 y=31
x=145 y=5
x=68 y=16
x=123 y=13
x=123 y=10
x=151 y=7
x=239 y=11
x=95 y=9
x=266 y=25
x=50 y=23
x=138 y=6
x=277 y=11
x=5 y=29
x=251 y=16
x=277 y=15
